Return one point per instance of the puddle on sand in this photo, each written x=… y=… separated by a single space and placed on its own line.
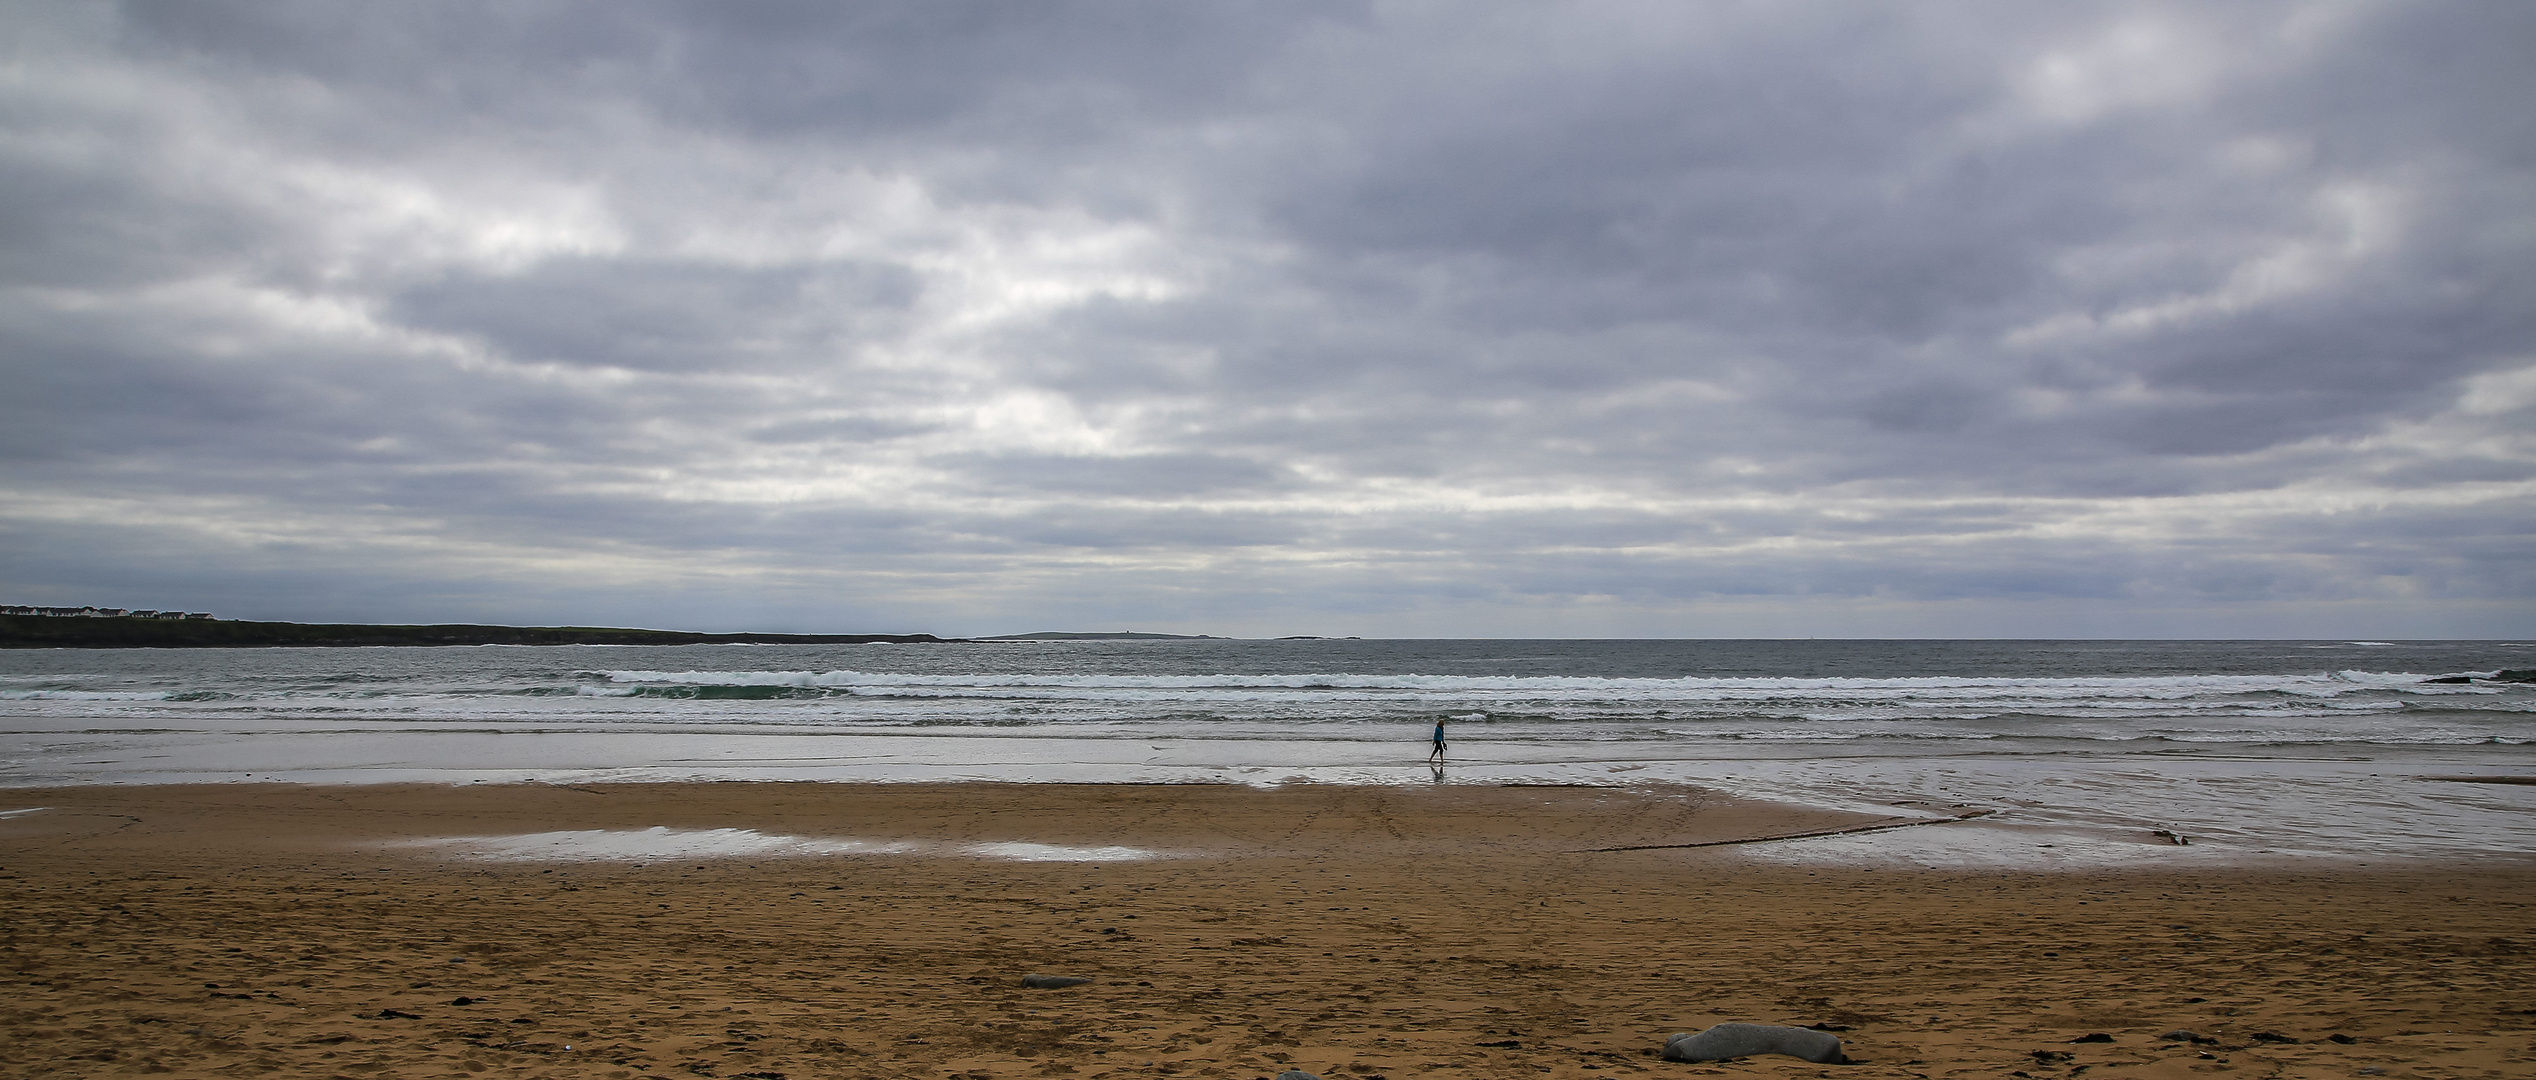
x=1983 y=845
x=661 y=843
x=1018 y=852
x=643 y=845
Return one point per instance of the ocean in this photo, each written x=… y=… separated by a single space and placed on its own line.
x=2074 y=752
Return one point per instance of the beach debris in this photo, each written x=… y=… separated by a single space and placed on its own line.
x=1052 y=982
x=2093 y=1037
x=1508 y=1044
x=2340 y=1039
x=463 y=1001
x=2171 y=836
x=2183 y=1036
x=2273 y=1037
x=1734 y=1040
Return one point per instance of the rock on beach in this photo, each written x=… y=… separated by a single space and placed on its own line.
x=1052 y=982
x=1746 y=1040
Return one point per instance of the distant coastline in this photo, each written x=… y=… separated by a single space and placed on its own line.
x=54 y=632
x=1097 y=635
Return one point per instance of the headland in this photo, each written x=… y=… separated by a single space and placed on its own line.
x=54 y=632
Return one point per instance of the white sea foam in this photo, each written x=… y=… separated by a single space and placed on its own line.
x=85 y=695
x=1322 y=698
x=1692 y=688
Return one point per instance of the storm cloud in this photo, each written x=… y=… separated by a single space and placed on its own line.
x=1380 y=318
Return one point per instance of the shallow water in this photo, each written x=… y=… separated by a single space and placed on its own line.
x=2290 y=750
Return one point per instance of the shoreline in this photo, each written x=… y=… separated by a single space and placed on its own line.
x=2045 y=812
x=1355 y=933
x=1185 y=820
x=2086 y=755
x=1852 y=828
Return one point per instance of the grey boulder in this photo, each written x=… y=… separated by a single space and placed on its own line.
x=1745 y=1040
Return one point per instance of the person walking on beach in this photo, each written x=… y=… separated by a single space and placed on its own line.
x=1437 y=754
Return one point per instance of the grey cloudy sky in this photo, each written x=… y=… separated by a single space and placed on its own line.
x=1632 y=319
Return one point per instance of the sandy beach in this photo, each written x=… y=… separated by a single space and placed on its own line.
x=1228 y=931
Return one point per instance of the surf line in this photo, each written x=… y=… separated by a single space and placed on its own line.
x=1878 y=826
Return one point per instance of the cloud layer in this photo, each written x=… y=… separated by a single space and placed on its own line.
x=1342 y=318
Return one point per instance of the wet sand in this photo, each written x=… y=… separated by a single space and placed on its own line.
x=1356 y=932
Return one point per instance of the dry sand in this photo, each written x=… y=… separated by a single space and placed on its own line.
x=1356 y=932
